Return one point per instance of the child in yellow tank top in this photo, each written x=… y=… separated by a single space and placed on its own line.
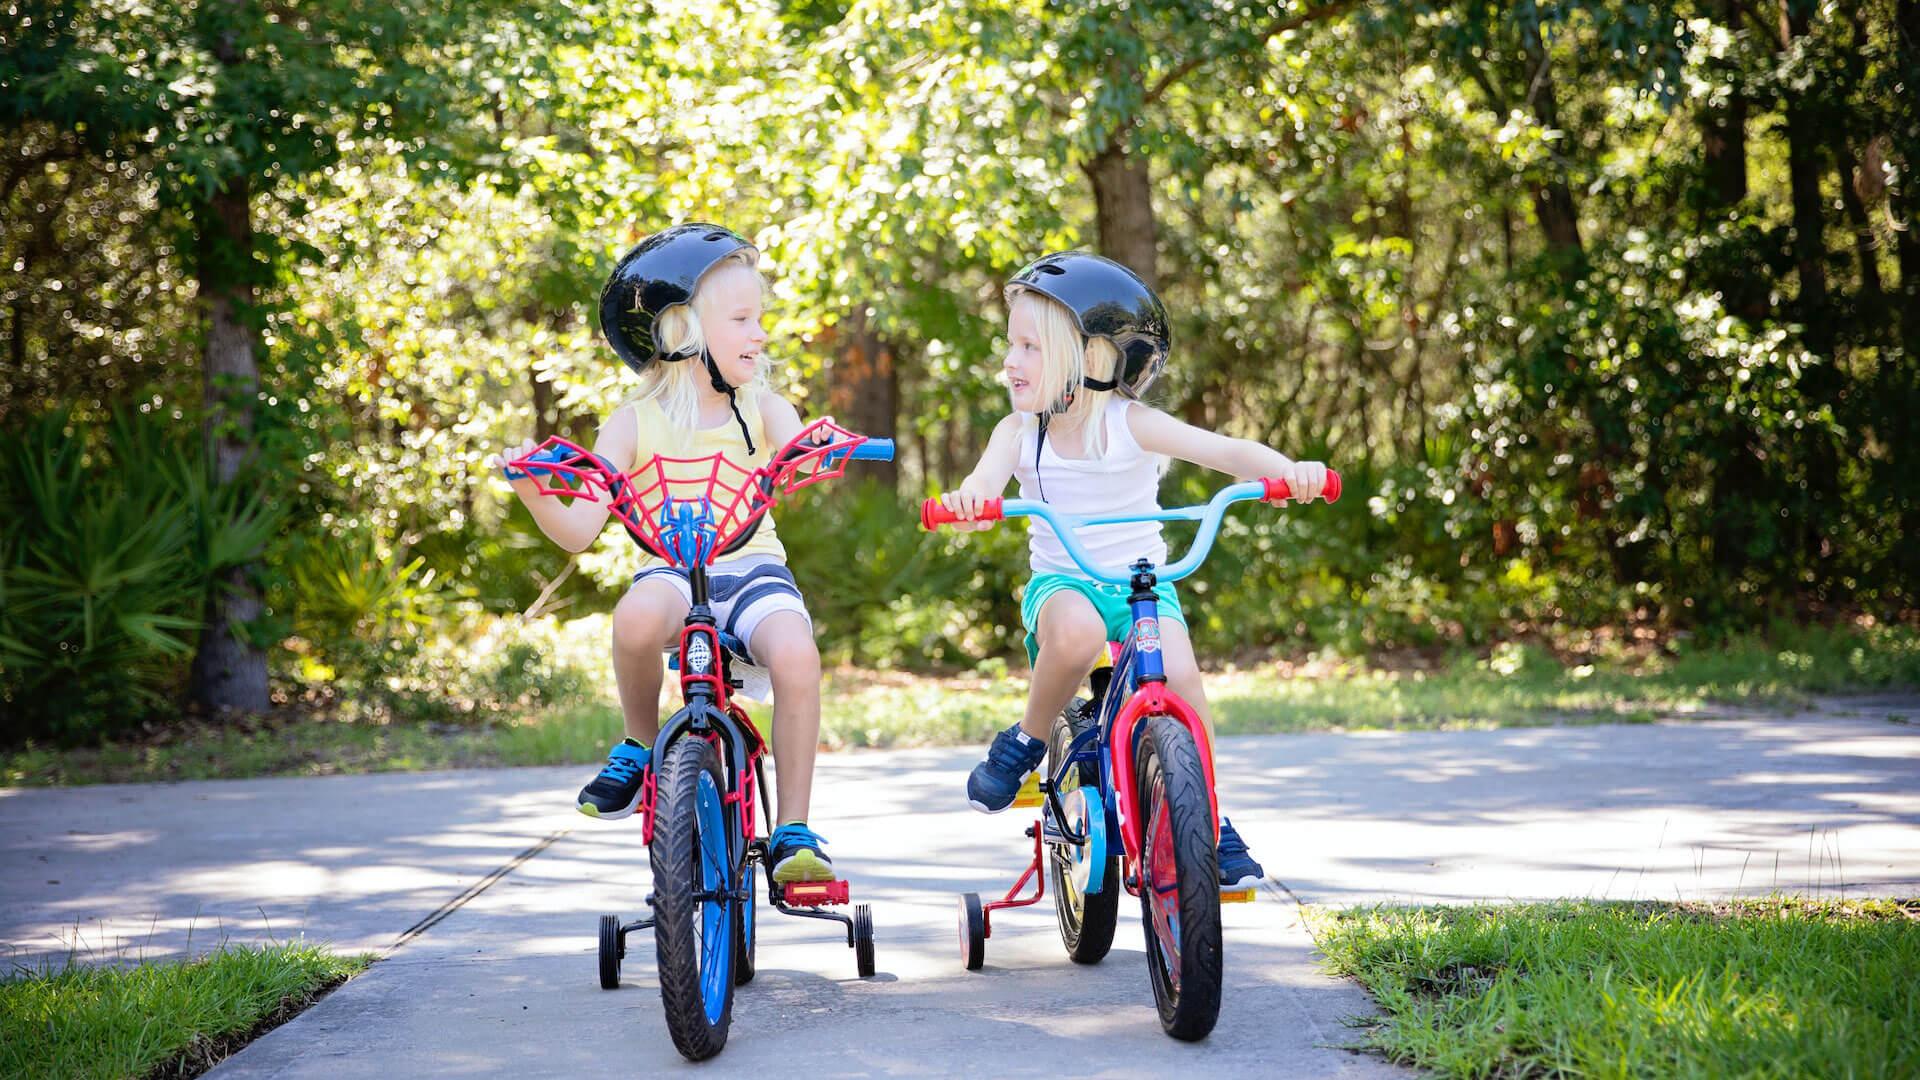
x=683 y=309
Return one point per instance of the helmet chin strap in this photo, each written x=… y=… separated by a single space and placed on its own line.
x=721 y=385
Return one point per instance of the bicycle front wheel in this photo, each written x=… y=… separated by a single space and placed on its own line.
x=1179 y=880
x=694 y=911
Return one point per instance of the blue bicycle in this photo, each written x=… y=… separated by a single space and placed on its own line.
x=1130 y=763
x=698 y=796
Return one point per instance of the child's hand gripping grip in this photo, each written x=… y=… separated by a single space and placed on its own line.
x=934 y=514
x=1278 y=489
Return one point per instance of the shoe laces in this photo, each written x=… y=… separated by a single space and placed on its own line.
x=1009 y=754
x=1230 y=842
x=796 y=833
x=620 y=769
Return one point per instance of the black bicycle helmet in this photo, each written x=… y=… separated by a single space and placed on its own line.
x=1109 y=301
x=658 y=273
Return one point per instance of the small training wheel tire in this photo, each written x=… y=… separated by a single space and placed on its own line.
x=863 y=939
x=973 y=931
x=610 y=949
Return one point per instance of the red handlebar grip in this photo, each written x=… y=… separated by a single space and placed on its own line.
x=1278 y=489
x=934 y=514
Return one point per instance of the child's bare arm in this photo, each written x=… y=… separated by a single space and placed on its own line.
x=989 y=476
x=576 y=523
x=783 y=421
x=1243 y=459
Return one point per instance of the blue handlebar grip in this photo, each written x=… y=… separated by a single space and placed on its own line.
x=551 y=453
x=874 y=450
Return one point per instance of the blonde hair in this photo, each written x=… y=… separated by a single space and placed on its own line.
x=1068 y=356
x=675 y=385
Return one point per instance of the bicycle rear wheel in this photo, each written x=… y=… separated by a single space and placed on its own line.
x=1086 y=920
x=694 y=912
x=1179 y=880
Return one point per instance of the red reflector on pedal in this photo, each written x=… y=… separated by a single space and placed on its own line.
x=817 y=892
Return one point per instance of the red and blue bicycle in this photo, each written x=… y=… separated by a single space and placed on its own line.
x=1128 y=799
x=697 y=797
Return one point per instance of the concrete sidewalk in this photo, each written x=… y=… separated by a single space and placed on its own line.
x=490 y=884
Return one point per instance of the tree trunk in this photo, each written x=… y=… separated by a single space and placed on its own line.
x=1123 y=209
x=1803 y=175
x=1872 y=304
x=1899 y=378
x=1905 y=201
x=863 y=393
x=229 y=672
x=1723 y=142
x=1553 y=202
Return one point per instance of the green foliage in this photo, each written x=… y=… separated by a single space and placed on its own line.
x=111 y=542
x=1746 y=988
x=155 y=1019
x=1534 y=277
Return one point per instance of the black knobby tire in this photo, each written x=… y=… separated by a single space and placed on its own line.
x=677 y=913
x=973 y=931
x=1086 y=922
x=1173 y=795
x=611 y=950
x=746 y=927
x=863 y=939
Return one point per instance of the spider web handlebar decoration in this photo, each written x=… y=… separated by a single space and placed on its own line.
x=691 y=511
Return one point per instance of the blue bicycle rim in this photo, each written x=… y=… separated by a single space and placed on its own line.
x=715 y=918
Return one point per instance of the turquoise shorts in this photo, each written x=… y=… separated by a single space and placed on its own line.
x=1109 y=600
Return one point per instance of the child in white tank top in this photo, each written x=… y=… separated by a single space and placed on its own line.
x=1086 y=337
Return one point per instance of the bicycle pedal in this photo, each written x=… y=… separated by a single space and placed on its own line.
x=1029 y=795
x=1243 y=896
x=814 y=893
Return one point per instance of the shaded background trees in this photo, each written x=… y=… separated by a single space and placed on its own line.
x=1610 y=311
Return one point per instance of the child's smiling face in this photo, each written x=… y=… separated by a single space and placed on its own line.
x=1021 y=369
x=730 y=316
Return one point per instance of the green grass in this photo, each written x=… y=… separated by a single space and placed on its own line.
x=157 y=1019
x=1773 y=988
x=1510 y=685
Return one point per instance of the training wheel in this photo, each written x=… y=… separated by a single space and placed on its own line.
x=973 y=931
x=612 y=948
x=863 y=939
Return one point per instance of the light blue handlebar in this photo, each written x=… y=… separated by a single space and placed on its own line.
x=1208 y=516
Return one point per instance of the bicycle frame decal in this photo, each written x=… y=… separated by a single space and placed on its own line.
x=1146 y=632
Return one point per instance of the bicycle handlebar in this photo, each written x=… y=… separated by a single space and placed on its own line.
x=933 y=514
x=828 y=454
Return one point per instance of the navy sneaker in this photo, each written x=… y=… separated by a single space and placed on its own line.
x=795 y=853
x=1238 y=871
x=615 y=793
x=996 y=781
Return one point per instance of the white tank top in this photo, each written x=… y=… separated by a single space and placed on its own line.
x=1124 y=481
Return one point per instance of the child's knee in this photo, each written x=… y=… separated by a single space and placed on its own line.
x=784 y=643
x=1075 y=636
x=639 y=626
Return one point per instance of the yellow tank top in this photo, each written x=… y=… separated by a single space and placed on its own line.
x=655 y=438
